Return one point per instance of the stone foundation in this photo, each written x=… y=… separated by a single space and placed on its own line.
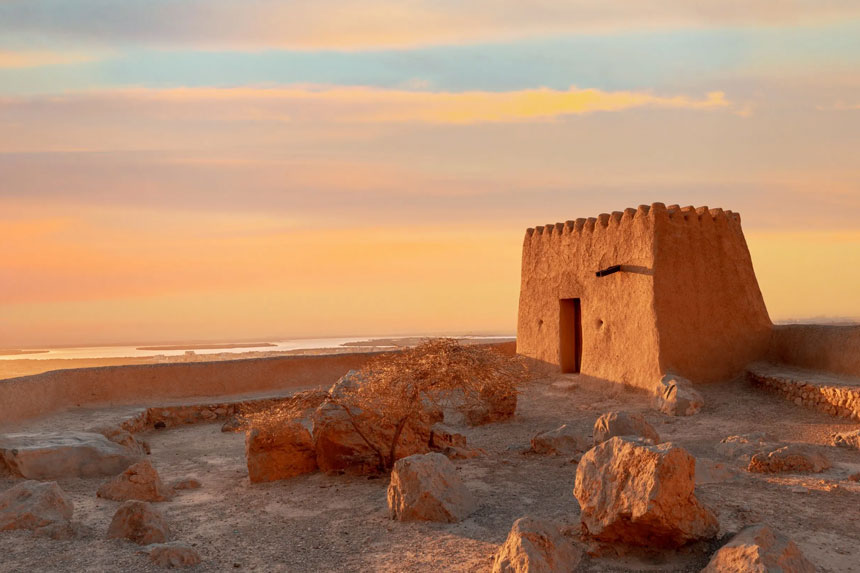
x=827 y=394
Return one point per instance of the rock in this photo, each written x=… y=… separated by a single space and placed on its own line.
x=34 y=505
x=846 y=439
x=441 y=437
x=641 y=494
x=744 y=445
x=428 y=488
x=71 y=454
x=173 y=554
x=790 y=458
x=62 y=531
x=455 y=453
x=119 y=436
x=232 y=425
x=139 y=481
x=492 y=407
x=623 y=424
x=675 y=396
x=759 y=549
x=709 y=471
x=535 y=546
x=563 y=441
x=140 y=522
x=187 y=483
x=279 y=451
x=340 y=447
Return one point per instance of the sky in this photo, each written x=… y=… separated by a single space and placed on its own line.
x=175 y=170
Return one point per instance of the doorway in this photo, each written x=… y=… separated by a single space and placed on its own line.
x=570 y=335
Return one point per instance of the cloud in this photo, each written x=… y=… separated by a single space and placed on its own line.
x=354 y=104
x=345 y=24
x=15 y=60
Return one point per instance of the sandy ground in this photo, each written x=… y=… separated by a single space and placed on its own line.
x=340 y=523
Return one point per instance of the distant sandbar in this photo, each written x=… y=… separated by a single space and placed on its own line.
x=207 y=346
x=17 y=352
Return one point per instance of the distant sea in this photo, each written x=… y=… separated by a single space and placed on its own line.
x=43 y=353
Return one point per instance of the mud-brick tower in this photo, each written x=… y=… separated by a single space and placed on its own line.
x=635 y=294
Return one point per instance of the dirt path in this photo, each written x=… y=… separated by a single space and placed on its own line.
x=340 y=523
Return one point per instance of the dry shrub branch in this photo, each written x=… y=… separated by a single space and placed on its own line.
x=398 y=388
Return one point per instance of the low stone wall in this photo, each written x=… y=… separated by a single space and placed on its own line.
x=831 y=348
x=836 y=400
x=29 y=397
x=149 y=384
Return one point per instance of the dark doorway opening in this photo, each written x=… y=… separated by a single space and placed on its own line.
x=570 y=334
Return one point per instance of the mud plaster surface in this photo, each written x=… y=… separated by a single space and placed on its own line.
x=339 y=523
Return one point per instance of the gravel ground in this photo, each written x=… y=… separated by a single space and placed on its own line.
x=340 y=523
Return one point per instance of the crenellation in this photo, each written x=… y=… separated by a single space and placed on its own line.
x=619 y=219
x=719 y=216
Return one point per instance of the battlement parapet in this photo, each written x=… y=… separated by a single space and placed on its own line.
x=644 y=213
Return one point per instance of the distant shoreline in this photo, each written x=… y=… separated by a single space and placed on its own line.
x=19 y=352
x=208 y=346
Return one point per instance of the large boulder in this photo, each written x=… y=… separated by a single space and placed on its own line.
x=173 y=554
x=564 y=441
x=790 y=458
x=536 y=546
x=633 y=492
x=623 y=424
x=428 y=488
x=341 y=438
x=759 y=549
x=279 y=451
x=140 y=522
x=71 y=454
x=34 y=505
x=139 y=481
x=675 y=396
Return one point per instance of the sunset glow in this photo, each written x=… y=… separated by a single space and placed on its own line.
x=270 y=170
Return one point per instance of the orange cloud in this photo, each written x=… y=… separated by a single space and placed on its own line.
x=358 y=104
x=20 y=59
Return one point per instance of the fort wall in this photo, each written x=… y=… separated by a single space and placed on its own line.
x=832 y=348
x=686 y=299
x=619 y=338
x=711 y=316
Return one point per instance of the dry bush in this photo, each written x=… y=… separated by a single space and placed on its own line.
x=398 y=388
x=295 y=407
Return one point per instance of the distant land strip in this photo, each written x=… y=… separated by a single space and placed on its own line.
x=17 y=352
x=207 y=346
